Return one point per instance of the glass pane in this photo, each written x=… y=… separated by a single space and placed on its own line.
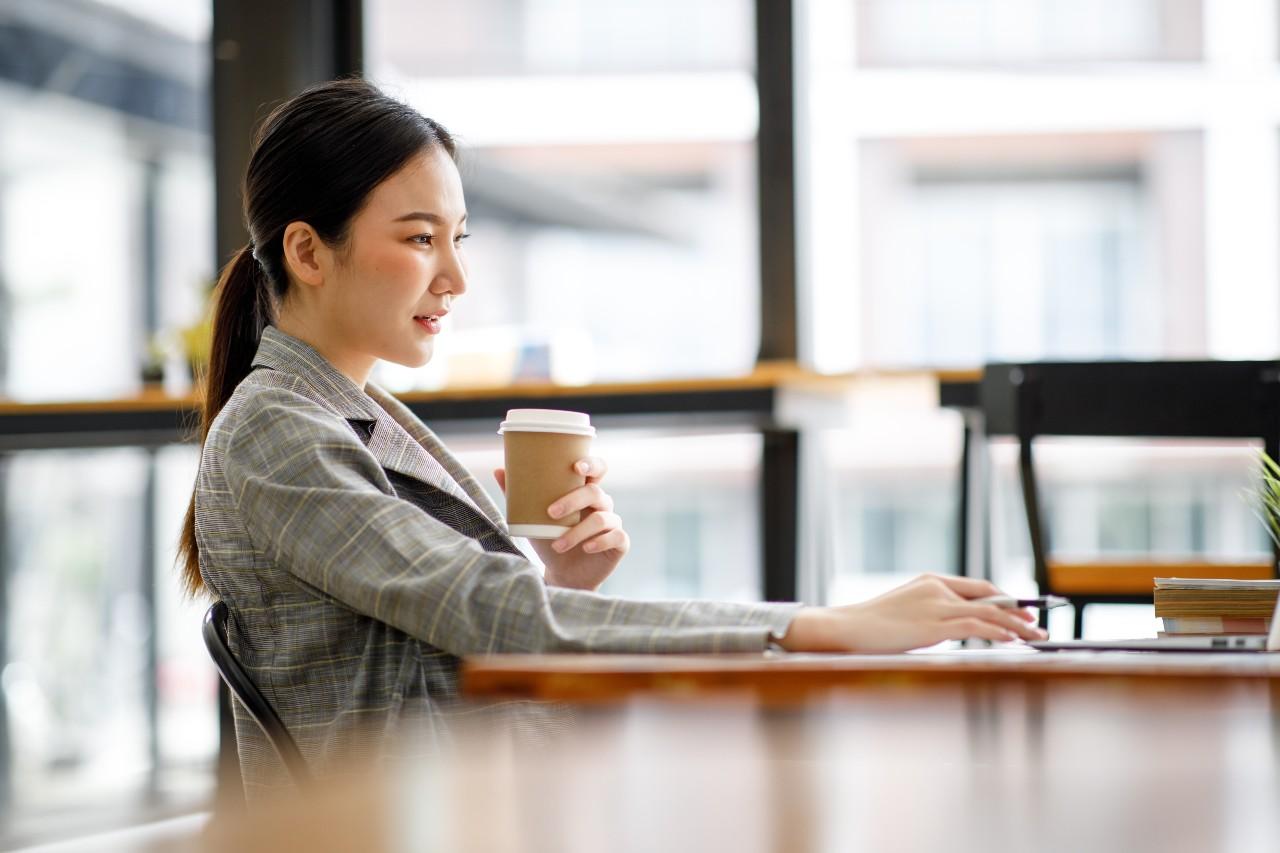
x=1007 y=180
x=186 y=681
x=689 y=501
x=76 y=631
x=892 y=481
x=1012 y=248
x=1125 y=500
x=499 y=37
x=1018 y=269
x=1048 y=203
x=1109 y=499
x=86 y=751
x=106 y=245
x=609 y=163
x=106 y=215
x=1011 y=31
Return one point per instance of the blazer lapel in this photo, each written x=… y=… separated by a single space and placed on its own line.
x=428 y=457
x=393 y=434
x=395 y=449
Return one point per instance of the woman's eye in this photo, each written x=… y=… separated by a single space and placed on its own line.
x=425 y=239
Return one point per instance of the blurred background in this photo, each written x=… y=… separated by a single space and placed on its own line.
x=974 y=181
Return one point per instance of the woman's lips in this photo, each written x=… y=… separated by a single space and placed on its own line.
x=431 y=326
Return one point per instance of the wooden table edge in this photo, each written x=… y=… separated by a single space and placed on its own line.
x=591 y=679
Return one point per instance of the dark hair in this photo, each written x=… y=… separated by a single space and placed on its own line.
x=315 y=159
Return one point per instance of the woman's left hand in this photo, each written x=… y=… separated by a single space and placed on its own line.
x=587 y=553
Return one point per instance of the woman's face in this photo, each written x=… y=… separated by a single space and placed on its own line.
x=402 y=264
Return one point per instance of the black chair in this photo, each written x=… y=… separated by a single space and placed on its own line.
x=248 y=694
x=1167 y=399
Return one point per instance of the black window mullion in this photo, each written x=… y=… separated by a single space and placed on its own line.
x=775 y=81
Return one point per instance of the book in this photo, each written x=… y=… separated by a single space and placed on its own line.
x=1272 y=584
x=1184 y=599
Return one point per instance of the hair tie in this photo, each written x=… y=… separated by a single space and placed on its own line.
x=253 y=250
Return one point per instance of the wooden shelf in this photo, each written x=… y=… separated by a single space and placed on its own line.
x=154 y=418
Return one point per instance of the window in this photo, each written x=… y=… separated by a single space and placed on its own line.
x=106 y=214
x=987 y=180
x=609 y=163
x=93 y=730
x=106 y=244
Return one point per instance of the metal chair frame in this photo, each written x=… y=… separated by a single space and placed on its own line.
x=247 y=693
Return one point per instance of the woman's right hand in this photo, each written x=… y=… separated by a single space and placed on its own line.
x=921 y=612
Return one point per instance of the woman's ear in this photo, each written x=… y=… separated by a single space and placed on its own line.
x=304 y=253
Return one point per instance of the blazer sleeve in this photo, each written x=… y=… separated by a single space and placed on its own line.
x=308 y=494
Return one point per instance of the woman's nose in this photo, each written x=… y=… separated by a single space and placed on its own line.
x=458 y=282
x=452 y=278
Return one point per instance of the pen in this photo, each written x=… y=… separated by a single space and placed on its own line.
x=1045 y=602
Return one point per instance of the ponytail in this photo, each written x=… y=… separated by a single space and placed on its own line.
x=244 y=307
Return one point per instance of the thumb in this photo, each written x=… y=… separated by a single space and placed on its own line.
x=500 y=475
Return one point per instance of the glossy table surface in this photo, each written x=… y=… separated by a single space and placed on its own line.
x=967 y=752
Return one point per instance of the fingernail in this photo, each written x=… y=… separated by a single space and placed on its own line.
x=555 y=511
x=583 y=467
x=590 y=547
x=560 y=545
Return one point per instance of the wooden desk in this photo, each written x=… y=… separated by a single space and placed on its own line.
x=795 y=679
x=937 y=753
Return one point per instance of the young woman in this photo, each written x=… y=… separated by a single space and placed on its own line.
x=358 y=558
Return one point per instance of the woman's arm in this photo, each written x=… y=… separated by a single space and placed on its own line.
x=922 y=612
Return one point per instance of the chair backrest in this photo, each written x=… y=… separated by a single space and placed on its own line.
x=1163 y=399
x=248 y=694
x=1140 y=399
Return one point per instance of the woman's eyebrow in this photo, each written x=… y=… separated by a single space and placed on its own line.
x=433 y=218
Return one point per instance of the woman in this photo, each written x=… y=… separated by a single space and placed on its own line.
x=358 y=558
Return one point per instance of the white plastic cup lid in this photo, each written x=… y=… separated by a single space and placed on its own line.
x=547 y=420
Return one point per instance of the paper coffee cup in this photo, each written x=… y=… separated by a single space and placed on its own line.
x=541 y=447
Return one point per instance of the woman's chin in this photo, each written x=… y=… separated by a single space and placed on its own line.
x=414 y=358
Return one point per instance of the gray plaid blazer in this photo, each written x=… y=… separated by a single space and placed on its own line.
x=359 y=560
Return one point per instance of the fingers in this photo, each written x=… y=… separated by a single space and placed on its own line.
x=590 y=496
x=1006 y=619
x=592 y=527
x=968 y=626
x=593 y=468
x=500 y=475
x=615 y=540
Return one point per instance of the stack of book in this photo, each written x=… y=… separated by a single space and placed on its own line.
x=1213 y=606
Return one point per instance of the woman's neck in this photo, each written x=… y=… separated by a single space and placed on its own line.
x=355 y=366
